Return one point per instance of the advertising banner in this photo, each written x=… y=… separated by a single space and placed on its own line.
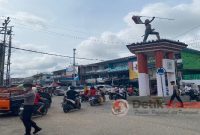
x=169 y=65
x=133 y=70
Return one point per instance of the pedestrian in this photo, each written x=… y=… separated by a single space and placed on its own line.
x=176 y=94
x=29 y=97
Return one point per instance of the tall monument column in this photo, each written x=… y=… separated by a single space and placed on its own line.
x=171 y=76
x=161 y=85
x=143 y=75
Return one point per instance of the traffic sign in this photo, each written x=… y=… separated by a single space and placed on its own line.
x=161 y=71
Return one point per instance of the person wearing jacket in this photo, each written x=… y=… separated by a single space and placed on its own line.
x=72 y=94
x=29 y=97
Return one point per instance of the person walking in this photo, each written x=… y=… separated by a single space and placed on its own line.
x=29 y=97
x=176 y=94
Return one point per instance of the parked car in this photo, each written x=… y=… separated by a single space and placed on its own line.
x=60 y=90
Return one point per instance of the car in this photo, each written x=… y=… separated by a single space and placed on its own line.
x=105 y=88
x=60 y=90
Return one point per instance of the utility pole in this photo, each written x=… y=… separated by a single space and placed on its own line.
x=8 y=58
x=74 y=67
x=2 y=50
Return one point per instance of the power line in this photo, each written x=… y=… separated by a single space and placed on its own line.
x=51 y=32
x=62 y=27
x=52 y=54
x=187 y=31
x=84 y=38
x=69 y=35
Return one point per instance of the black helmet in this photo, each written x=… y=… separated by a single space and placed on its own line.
x=72 y=88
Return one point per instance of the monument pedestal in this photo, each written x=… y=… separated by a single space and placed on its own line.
x=163 y=51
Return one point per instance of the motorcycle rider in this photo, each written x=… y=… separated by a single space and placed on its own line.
x=85 y=94
x=39 y=105
x=96 y=94
x=92 y=92
x=112 y=92
x=102 y=93
x=72 y=94
x=121 y=92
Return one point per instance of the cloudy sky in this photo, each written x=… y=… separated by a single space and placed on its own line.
x=98 y=29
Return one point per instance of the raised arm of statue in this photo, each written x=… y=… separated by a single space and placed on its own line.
x=152 y=19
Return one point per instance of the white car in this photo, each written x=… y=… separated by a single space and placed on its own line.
x=105 y=88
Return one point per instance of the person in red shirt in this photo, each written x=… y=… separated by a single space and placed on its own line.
x=93 y=91
x=37 y=102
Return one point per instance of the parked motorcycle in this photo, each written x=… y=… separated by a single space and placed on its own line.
x=194 y=95
x=69 y=104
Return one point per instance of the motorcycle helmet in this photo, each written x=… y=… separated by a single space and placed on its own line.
x=72 y=88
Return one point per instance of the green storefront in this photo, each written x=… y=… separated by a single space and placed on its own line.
x=190 y=64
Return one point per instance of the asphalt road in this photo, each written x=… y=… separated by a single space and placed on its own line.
x=99 y=120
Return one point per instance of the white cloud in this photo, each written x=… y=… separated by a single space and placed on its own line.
x=3 y=2
x=28 y=19
x=26 y=63
x=3 y=6
x=113 y=45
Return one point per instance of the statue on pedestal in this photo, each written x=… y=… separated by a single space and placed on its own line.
x=148 y=29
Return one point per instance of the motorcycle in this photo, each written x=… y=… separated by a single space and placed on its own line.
x=96 y=100
x=112 y=95
x=47 y=98
x=69 y=104
x=194 y=95
x=120 y=95
x=44 y=110
x=84 y=98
